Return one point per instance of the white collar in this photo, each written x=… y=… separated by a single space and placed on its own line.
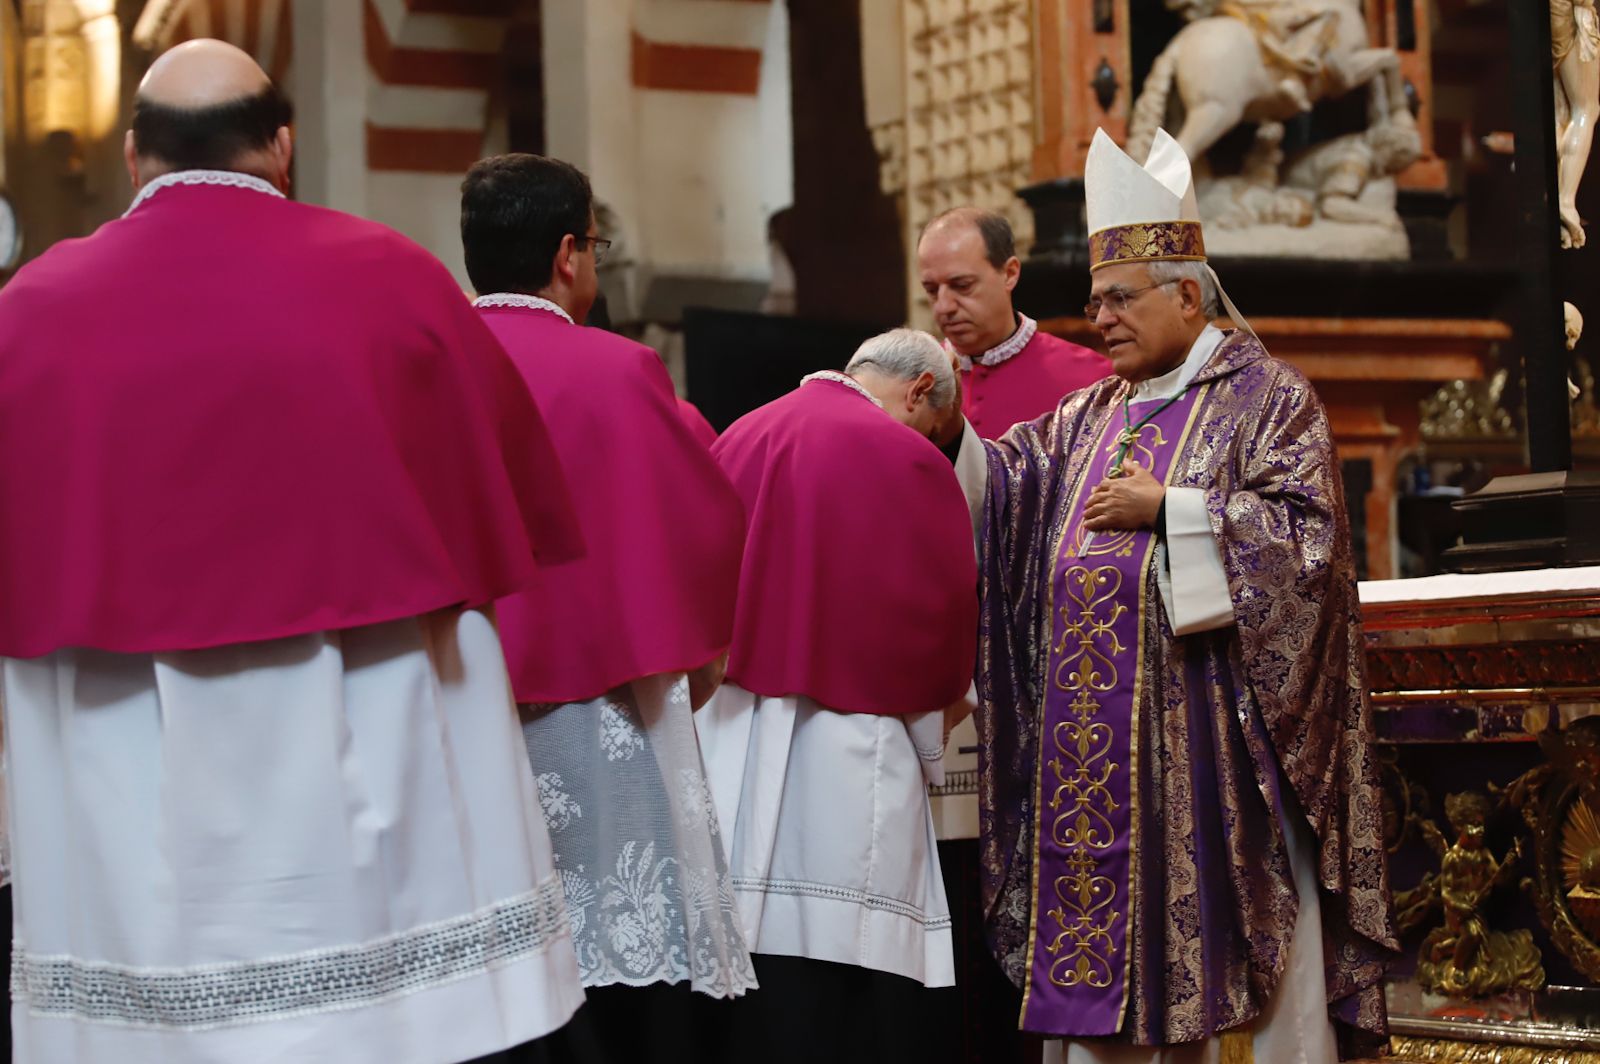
x=517 y=299
x=1005 y=349
x=844 y=379
x=1173 y=383
x=229 y=178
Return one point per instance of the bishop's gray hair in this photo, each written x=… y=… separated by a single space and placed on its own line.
x=906 y=354
x=1165 y=272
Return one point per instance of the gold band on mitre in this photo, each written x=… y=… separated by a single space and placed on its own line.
x=1147 y=242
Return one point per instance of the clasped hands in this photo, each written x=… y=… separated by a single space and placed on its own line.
x=1125 y=503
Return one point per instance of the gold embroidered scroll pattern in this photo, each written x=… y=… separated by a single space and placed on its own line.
x=1142 y=448
x=1081 y=802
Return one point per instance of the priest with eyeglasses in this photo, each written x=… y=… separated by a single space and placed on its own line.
x=1181 y=851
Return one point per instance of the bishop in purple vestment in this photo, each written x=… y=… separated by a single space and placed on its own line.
x=1179 y=798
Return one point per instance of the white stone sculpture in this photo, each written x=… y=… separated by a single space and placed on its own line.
x=1264 y=62
x=1575 y=51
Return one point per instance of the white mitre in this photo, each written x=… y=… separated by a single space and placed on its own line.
x=1144 y=213
x=1141 y=212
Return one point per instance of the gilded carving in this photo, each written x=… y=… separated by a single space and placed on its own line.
x=1559 y=802
x=1556 y=663
x=1468 y=409
x=1405 y=805
x=1580 y=865
x=1409 y=1050
x=1463 y=957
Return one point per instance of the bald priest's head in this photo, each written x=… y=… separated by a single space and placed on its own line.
x=206 y=105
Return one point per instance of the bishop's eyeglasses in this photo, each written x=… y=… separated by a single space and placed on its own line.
x=1117 y=299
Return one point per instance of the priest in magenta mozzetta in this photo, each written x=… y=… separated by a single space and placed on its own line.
x=854 y=632
x=1010 y=370
x=609 y=653
x=266 y=472
x=1179 y=812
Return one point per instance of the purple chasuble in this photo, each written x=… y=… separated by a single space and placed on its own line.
x=1088 y=763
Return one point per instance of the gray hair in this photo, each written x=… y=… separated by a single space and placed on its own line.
x=1165 y=272
x=906 y=354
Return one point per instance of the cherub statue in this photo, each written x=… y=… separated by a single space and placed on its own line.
x=1464 y=957
x=1575 y=51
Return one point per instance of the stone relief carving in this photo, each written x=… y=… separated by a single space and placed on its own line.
x=1264 y=62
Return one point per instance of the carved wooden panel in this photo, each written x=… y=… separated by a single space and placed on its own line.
x=967 y=134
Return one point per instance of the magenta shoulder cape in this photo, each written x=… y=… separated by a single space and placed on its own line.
x=859 y=582
x=230 y=417
x=664 y=531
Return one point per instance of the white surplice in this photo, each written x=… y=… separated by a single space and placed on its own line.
x=832 y=846
x=321 y=848
x=637 y=840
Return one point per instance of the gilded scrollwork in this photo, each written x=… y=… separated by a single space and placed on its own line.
x=1406 y=806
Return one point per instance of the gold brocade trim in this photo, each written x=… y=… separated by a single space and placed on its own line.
x=1088 y=745
x=1171 y=241
x=1134 y=859
x=1408 y=1050
x=1059 y=542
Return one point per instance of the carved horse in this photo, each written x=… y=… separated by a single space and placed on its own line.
x=1227 y=70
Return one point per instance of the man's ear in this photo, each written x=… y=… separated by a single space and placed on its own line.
x=130 y=155
x=1189 y=295
x=283 y=153
x=922 y=387
x=1011 y=272
x=564 y=266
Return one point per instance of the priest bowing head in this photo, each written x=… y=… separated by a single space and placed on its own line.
x=206 y=105
x=909 y=373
